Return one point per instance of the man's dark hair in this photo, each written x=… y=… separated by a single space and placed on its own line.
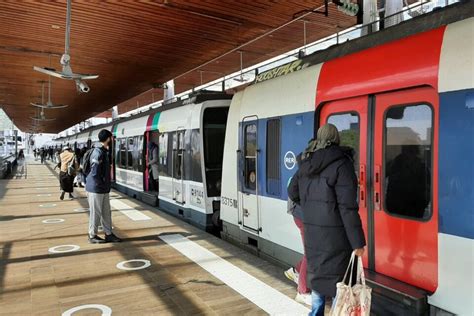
x=104 y=134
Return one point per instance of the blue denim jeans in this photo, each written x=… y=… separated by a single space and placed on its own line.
x=318 y=302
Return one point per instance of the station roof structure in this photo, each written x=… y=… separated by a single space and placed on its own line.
x=135 y=46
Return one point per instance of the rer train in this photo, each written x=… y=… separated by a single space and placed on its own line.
x=403 y=98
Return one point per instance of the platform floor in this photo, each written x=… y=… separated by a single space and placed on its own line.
x=190 y=273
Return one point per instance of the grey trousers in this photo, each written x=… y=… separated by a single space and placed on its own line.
x=99 y=206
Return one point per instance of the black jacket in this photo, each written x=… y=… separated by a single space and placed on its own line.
x=326 y=188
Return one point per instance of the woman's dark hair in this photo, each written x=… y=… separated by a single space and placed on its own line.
x=104 y=134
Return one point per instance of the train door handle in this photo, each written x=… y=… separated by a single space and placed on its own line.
x=362 y=195
x=377 y=189
x=246 y=212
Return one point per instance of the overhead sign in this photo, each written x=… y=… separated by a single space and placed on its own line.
x=281 y=70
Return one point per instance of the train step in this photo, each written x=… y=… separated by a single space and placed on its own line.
x=393 y=297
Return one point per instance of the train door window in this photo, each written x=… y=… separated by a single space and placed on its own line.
x=163 y=154
x=139 y=151
x=407 y=160
x=129 y=153
x=178 y=148
x=250 y=156
x=196 y=172
x=123 y=153
x=349 y=132
x=273 y=157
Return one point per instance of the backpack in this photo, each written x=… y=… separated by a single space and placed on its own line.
x=86 y=164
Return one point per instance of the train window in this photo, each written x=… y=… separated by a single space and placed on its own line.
x=178 y=151
x=250 y=159
x=408 y=160
x=163 y=155
x=139 y=151
x=123 y=153
x=273 y=157
x=130 y=153
x=349 y=132
x=196 y=172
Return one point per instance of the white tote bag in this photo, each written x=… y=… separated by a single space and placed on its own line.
x=355 y=300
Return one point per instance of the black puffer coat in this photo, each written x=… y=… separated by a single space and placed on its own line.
x=326 y=188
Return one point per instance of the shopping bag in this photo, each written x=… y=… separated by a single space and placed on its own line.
x=352 y=300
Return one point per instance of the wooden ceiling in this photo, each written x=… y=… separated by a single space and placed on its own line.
x=134 y=45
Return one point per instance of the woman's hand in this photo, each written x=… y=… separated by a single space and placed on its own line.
x=359 y=252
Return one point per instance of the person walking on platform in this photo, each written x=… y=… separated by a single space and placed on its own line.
x=68 y=167
x=325 y=186
x=297 y=273
x=20 y=164
x=153 y=165
x=98 y=188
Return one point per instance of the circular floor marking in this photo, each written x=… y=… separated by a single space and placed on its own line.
x=69 y=248
x=48 y=205
x=121 y=265
x=106 y=311
x=46 y=194
x=81 y=209
x=53 y=221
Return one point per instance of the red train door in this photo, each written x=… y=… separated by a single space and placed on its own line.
x=395 y=141
x=350 y=118
x=405 y=186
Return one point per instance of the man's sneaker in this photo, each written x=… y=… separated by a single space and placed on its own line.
x=292 y=275
x=112 y=238
x=96 y=240
x=303 y=298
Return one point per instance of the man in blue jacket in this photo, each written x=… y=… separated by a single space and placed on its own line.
x=98 y=188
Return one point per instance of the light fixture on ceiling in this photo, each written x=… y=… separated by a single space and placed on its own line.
x=41 y=117
x=66 y=72
x=49 y=104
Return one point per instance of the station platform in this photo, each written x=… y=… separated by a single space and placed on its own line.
x=163 y=266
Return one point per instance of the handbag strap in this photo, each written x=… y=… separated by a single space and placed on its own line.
x=360 y=271
x=349 y=266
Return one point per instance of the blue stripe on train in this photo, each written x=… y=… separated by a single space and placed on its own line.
x=456 y=163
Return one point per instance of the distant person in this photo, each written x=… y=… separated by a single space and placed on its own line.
x=68 y=167
x=43 y=154
x=325 y=186
x=20 y=164
x=98 y=188
x=298 y=273
x=34 y=153
x=153 y=165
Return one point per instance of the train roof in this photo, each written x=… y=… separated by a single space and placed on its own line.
x=429 y=21
x=193 y=98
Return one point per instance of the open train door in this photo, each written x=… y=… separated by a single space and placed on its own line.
x=394 y=137
x=248 y=175
x=178 y=166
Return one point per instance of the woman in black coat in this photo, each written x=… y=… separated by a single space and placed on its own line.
x=325 y=186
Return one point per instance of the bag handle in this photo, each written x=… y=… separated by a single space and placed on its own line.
x=349 y=266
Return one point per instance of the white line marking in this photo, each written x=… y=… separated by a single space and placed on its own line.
x=105 y=310
x=64 y=248
x=259 y=293
x=145 y=264
x=128 y=211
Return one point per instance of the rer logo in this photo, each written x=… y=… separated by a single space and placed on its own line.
x=290 y=160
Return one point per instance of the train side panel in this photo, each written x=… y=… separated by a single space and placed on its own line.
x=455 y=290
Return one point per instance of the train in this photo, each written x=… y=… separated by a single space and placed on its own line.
x=402 y=97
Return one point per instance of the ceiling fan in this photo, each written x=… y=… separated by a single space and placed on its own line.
x=66 y=72
x=42 y=117
x=49 y=104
